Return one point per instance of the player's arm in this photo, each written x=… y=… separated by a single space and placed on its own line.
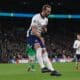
x=45 y=26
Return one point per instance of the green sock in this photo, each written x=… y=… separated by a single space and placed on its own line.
x=32 y=66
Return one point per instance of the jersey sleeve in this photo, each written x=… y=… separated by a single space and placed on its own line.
x=34 y=21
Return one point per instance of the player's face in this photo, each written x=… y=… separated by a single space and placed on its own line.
x=78 y=37
x=47 y=12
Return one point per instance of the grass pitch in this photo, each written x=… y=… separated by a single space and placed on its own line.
x=19 y=72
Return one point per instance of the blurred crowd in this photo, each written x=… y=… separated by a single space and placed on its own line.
x=12 y=45
x=58 y=46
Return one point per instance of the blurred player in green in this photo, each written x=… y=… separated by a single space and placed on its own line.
x=31 y=54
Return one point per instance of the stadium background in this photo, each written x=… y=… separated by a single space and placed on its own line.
x=61 y=32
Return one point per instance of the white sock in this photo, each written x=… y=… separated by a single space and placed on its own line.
x=47 y=61
x=39 y=57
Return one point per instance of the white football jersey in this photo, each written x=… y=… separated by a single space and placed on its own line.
x=76 y=46
x=39 y=22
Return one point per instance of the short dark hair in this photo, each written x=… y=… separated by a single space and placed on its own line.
x=46 y=6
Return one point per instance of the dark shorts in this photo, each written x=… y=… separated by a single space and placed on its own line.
x=31 y=40
x=78 y=57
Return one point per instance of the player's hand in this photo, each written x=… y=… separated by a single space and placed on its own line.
x=44 y=30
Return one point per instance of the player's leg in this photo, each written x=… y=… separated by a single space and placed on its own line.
x=30 y=57
x=39 y=54
x=31 y=63
x=76 y=64
x=77 y=61
x=40 y=58
x=49 y=64
x=47 y=60
x=31 y=53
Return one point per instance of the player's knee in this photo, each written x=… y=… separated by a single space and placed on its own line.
x=36 y=46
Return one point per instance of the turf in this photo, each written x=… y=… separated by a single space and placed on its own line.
x=19 y=72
